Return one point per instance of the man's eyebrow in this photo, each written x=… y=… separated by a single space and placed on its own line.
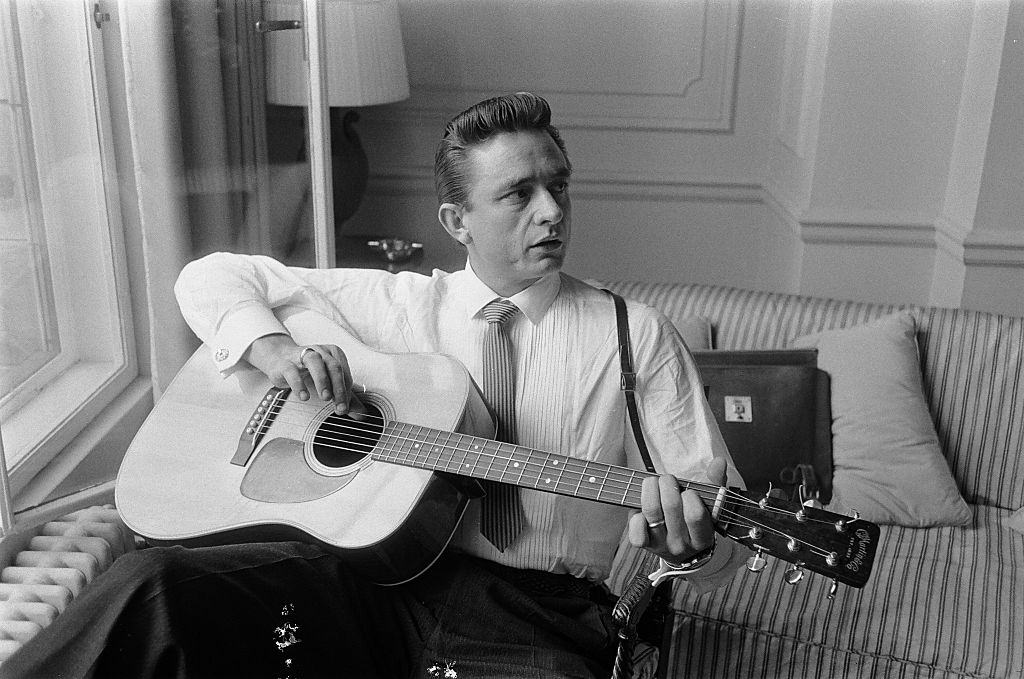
x=514 y=183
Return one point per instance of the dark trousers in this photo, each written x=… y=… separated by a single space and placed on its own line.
x=292 y=611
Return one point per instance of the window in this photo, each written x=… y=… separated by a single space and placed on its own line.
x=66 y=342
x=107 y=187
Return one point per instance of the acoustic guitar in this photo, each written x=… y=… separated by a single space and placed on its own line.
x=236 y=459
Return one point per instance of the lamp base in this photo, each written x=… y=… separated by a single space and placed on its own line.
x=349 y=166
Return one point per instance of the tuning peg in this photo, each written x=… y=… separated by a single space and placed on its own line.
x=833 y=589
x=841 y=523
x=756 y=563
x=794 y=574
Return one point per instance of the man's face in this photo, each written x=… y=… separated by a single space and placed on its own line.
x=515 y=223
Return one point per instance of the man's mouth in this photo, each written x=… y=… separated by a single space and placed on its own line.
x=548 y=244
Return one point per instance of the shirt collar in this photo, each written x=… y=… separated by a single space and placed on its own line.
x=534 y=301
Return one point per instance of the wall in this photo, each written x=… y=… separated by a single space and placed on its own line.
x=794 y=145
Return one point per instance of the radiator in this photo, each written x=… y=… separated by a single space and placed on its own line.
x=58 y=561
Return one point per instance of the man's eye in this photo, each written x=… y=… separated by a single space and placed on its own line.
x=560 y=187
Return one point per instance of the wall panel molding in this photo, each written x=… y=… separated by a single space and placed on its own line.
x=604 y=82
x=995 y=249
x=397 y=181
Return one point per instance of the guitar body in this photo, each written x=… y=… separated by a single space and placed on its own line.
x=194 y=476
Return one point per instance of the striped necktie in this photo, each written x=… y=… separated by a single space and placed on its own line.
x=502 y=515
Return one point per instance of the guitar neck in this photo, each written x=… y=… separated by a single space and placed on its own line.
x=821 y=541
x=481 y=458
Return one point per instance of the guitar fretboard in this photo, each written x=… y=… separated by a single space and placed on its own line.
x=442 y=451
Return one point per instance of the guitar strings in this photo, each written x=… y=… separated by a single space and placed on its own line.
x=357 y=429
x=339 y=424
x=631 y=492
x=374 y=437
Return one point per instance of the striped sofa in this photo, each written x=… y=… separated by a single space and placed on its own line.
x=942 y=602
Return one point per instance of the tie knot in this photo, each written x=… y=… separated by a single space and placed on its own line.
x=500 y=311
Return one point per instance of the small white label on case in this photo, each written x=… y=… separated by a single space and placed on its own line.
x=738 y=409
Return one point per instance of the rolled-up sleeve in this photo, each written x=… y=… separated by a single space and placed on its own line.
x=228 y=300
x=681 y=431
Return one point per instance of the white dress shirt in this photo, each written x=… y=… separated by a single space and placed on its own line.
x=568 y=396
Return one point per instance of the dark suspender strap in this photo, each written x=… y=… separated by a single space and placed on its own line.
x=628 y=379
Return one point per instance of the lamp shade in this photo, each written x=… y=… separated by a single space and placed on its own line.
x=365 y=59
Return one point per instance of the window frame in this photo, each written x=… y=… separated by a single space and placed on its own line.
x=69 y=394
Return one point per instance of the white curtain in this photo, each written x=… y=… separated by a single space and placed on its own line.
x=157 y=218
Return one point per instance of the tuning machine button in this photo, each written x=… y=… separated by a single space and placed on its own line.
x=794 y=574
x=841 y=523
x=757 y=563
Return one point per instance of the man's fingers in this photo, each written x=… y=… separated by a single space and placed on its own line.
x=717 y=471
x=637 y=529
x=337 y=374
x=316 y=379
x=327 y=374
x=700 y=530
x=294 y=379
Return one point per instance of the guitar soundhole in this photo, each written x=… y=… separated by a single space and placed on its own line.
x=341 y=441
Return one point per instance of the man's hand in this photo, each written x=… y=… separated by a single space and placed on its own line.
x=672 y=524
x=322 y=371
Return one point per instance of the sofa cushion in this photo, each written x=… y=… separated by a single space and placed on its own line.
x=696 y=332
x=941 y=602
x=886 y=455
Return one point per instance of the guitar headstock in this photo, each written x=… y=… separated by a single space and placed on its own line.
x=836 y=546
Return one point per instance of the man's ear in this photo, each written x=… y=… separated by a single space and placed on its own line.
x=450 y=216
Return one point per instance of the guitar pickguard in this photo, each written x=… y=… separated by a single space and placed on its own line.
x=279 y=473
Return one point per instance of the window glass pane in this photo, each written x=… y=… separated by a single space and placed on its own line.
x=28 y=321
x=246 y=157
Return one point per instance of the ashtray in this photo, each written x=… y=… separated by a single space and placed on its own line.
x=395 y=249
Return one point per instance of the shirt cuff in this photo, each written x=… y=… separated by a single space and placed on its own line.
x=238 y=330
x=720 y=569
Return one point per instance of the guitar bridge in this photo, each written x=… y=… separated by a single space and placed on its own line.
x=257 y=425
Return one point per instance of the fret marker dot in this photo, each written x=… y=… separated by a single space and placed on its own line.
x=592 y=479
x=416 y=445
x=515 y=464
x=547 y=480
x=554 y=463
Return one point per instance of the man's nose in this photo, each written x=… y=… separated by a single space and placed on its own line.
x=549 y=210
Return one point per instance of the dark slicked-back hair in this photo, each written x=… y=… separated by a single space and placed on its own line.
x=478 y=123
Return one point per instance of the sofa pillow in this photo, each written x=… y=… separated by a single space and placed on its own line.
x=886 y=454
x=1016 y=521
x=696 y=332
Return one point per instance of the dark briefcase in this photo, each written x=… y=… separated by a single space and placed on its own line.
x=774 y=410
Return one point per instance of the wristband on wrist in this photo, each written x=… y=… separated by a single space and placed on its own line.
x=698 y=560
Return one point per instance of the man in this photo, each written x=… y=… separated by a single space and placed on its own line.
x=528 y=604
